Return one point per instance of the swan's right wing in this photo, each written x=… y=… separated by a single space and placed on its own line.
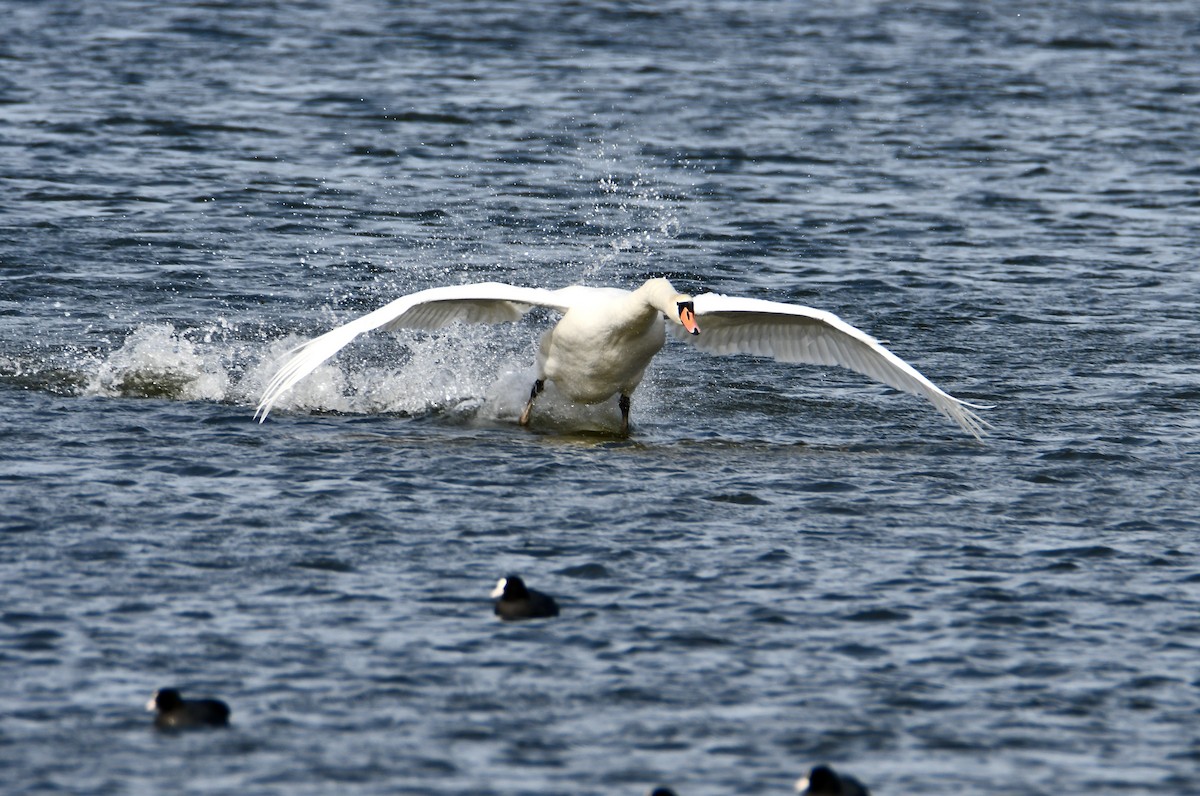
x=485 y=302
x=794 y=333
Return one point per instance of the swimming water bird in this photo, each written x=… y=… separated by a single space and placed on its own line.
x=177 y=713
x=607 y=336
x=515 y=600
x=824 y=781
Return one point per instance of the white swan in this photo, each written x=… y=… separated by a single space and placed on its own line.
x=607 y=337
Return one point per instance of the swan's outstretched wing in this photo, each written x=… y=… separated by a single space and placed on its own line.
x=486 y=302
x=792 y=333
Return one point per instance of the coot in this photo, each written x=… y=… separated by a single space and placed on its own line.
x=516 y=601
x=177 y=713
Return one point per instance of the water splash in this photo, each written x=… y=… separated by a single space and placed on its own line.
x=157 y=362
x=468 y=373
x=620 y=212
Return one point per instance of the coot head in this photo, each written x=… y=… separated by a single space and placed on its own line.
x=511 y=587
x=824 y=781
x=165 y=699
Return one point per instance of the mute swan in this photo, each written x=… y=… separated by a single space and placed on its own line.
x=607 y=336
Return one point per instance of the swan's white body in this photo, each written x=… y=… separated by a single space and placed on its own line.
x=607 y=337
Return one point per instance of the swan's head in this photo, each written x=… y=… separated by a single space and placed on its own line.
x=677 y=306
x=687 y=315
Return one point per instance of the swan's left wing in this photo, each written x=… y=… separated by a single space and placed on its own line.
x=485 y=302
x=793 y=333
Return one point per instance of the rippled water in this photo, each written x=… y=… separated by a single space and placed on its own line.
x=781 y=566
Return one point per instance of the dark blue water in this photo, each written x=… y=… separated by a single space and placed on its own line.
x=783 y=565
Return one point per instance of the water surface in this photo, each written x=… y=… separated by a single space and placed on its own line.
x=783 y=565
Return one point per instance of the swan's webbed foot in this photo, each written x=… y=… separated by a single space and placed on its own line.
x=538 y=386
x=624 y=404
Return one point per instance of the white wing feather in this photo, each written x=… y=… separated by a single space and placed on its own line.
x=485 y=302
x=793 y=333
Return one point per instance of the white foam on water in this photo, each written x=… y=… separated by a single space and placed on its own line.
x=471 y=373
x=156 y=361
x=477 y=373
x=474 y=373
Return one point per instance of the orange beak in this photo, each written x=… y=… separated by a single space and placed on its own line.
x=687 y=317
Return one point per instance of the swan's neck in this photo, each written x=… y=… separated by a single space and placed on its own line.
x=660 y=295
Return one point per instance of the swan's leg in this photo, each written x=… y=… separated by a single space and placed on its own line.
x=538 y=386
x=624 y=404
